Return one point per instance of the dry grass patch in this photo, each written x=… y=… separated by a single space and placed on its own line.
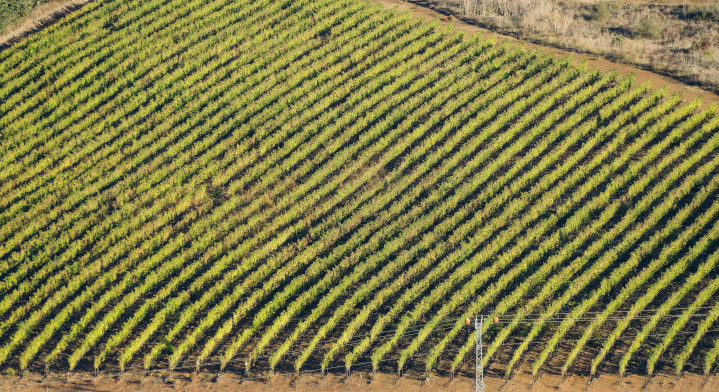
x=680 y=40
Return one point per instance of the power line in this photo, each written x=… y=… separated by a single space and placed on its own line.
x=560 y=320
x=244 y=378
x=408 y=333
x=657 y=310
x=593 y=339
x=413 y=331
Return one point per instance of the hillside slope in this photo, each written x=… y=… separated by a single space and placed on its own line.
x=269 y=185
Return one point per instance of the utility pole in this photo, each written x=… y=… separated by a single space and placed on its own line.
x=479 y=356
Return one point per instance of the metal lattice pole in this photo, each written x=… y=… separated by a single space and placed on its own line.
x=479 y=356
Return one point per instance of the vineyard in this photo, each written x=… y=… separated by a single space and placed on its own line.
x=286 y=185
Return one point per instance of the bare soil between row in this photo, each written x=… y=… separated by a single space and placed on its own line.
x=357 y=381
x=385 y=381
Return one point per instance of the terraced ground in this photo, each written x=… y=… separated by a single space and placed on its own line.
x=311 y=184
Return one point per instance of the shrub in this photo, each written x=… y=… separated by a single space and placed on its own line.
x=649 y=28
x=599 y=11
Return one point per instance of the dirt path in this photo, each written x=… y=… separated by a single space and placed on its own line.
x=662 y=2
x=41 y=17
x=357 y=381
x=688 y=92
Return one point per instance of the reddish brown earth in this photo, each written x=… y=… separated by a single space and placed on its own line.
x=357 y=381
